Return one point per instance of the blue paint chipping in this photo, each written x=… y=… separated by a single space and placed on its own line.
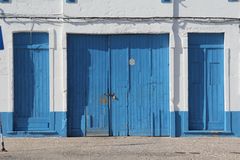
x=87 y=83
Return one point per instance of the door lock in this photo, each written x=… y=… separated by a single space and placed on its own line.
x=111 y=95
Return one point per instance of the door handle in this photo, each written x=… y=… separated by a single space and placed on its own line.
x=114 y=97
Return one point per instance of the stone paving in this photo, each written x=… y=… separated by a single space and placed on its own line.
x=121 y=148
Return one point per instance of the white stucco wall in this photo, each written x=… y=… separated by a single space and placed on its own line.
x=122 y=8
x=6 y=65
x=32 y=7
x=206 y=8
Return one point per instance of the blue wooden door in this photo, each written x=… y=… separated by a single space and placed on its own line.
x=88 y=83
x=148 y=108
x=140 y=82
x=122 y=81
x=139 y=107
x=31 y=81
x=215 y=89
x=206 y=82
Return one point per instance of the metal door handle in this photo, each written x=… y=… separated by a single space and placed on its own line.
x=114 y=97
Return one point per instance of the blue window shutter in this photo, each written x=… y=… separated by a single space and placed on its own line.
x=233 y=0
x=71 y=1
x=166 y=1
x=4 y=1
x=1 y=40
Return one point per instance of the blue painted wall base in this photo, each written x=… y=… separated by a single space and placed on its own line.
x=179 y=126
x=231 y=128
x=235 y=123
x=58 y=126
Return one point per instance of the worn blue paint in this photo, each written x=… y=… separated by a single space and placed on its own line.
x=1 y=39
x=31 y=82
x=100 y=64
x=88 y=81
x=173 y=124
x=141 y=89
x=148 y=108
x=59 y=123
x=206 y=81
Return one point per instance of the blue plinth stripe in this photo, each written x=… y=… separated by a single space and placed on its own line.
x=58 y=122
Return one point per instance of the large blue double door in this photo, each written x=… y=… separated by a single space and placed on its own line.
x=118 y=85
x=206 y=82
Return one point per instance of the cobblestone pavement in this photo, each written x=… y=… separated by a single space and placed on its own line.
x=121 y=148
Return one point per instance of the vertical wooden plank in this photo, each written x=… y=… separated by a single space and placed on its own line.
x=205 y=112
x=119 y=46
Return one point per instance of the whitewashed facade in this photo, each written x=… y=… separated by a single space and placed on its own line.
x=178 y=18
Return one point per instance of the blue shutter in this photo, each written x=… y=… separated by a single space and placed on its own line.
x=1 y=40
x=2 y=1
x=166 y=1
x=71 y=1
x=233 y=0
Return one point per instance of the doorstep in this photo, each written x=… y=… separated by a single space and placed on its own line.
x=208 y=133
x=32 y=133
